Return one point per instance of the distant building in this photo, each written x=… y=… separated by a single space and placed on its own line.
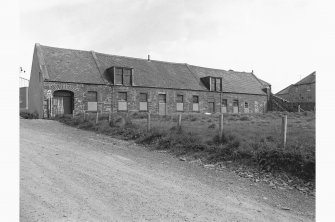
x=301 y=93
x=23 y=87
x=64 y=81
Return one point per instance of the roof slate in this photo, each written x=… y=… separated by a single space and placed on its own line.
x=68 y=65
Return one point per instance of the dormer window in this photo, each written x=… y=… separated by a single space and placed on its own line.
x=212 y=83
x=120 y=76
x=216 y=84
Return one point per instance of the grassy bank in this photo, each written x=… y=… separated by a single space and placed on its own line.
x=249 y=139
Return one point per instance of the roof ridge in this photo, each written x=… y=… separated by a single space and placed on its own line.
x=78 y=50
x=128 y=57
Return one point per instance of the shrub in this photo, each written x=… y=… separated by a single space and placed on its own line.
x=212 y=126
x=28 y=115
x=291 y=162
x=151 y=137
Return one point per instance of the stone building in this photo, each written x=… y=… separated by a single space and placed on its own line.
x=301 y=93
x=64 y=81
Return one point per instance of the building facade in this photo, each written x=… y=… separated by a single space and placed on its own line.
x=66 y=81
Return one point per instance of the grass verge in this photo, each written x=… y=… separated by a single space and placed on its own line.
x=264 y=153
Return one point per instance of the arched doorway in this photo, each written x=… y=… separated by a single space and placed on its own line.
x=63 y=102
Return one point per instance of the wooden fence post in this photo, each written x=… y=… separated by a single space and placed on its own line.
x=84 y=115
x=73 y=114
x=284 y=130
x=97 y=118
x=221 y=126
x=179 y=121
x=298 y=108
x=148 y=122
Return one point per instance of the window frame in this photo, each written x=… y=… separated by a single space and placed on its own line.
x=122 y=101
x=92 y=105
x=142 y=102
x=195 y=103
x=180 y=104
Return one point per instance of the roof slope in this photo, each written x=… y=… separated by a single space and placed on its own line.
x=232 y=81
x=154 y=73
x=68 y=65
x=308 y=79
x=284 y=91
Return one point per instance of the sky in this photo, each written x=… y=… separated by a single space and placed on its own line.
x=280 y=40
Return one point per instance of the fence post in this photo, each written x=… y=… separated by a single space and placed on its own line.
x=73 y=114
x=97 y=118
x=221 y=126
x=284 y=130
x=298 y=108
x=179 y=121
x=148 y=122
x=84 y=115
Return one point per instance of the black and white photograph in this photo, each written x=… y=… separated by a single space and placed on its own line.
x=170 y=110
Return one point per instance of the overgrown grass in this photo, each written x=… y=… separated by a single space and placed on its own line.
x=252 y=139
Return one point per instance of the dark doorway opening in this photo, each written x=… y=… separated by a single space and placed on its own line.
x=63 y=102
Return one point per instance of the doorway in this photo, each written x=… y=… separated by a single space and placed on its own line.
x=63 y=102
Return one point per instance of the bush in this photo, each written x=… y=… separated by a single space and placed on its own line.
x=291 y=162
x=28 y=115
x=212 y=126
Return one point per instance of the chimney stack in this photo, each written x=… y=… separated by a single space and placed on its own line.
x=148 y=57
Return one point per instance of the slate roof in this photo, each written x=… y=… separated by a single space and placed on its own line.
x=307 y=80
x=68 y=65
x=232 y=81
x=284 y=91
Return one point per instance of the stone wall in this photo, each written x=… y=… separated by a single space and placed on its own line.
x=108 y=98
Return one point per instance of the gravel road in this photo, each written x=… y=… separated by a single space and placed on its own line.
x=68 y=174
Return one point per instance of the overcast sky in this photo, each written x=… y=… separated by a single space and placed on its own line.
x=281 y=40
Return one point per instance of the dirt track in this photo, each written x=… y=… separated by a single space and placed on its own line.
x=73 y=175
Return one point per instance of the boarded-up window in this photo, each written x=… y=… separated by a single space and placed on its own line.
x=127 y=77
x=122 y=101
x=211 y=107
x=180 y=103
x=92 y=101
x=118 y=75
x=212 y=84
x=218 y=85
x=195 y=100
x=143 y=102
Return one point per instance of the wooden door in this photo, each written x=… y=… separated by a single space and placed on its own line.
x=162 y=104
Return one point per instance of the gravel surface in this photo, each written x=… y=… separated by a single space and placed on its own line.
x=68 y=174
